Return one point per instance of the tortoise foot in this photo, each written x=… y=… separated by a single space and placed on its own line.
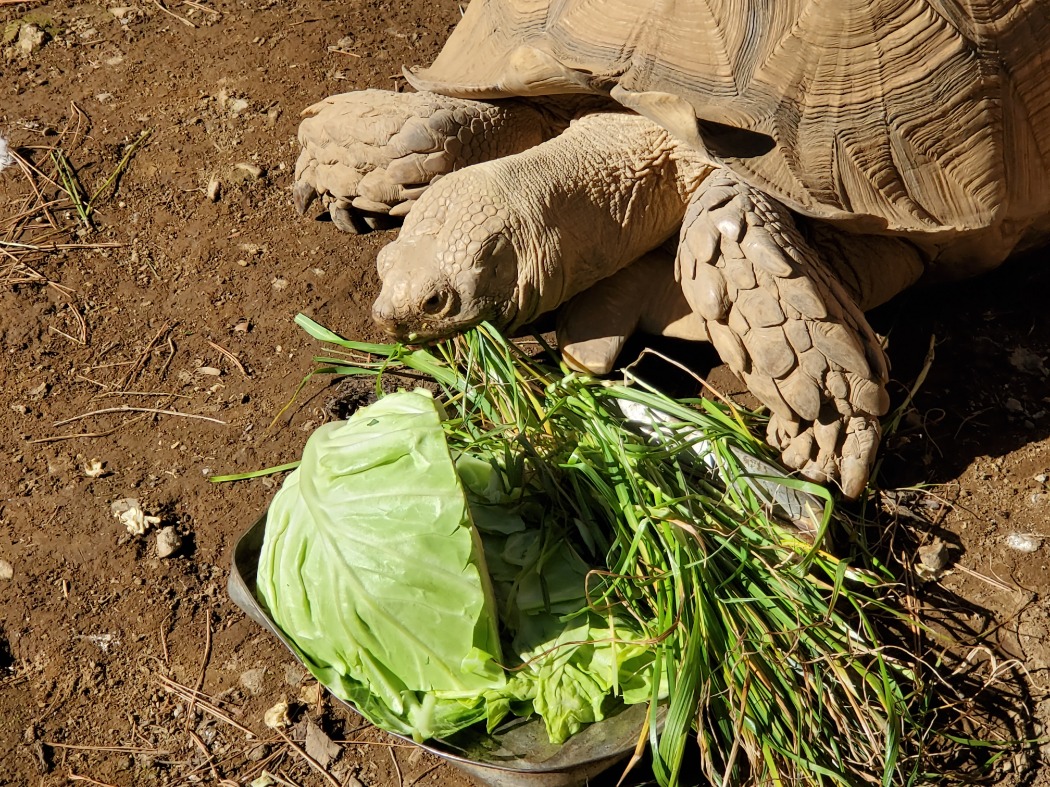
x=370 y=154
x=780 y=319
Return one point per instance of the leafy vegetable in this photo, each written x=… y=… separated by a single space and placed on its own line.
x=370 y=563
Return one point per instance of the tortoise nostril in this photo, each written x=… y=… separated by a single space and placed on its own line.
x=435 y=303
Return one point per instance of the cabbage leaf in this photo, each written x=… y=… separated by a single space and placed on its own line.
x=371 y=566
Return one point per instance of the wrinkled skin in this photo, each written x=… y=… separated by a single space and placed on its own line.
x=504 y=241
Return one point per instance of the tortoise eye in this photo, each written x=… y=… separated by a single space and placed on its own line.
x=434 y=303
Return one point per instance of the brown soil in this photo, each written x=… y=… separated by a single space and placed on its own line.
x=93 y=625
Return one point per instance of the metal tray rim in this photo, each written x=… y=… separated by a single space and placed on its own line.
x=241 y=589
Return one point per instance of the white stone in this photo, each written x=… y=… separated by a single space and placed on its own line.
x=168 y=542
x=6 y=159
x=1024 y=542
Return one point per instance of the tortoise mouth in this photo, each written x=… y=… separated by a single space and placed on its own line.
x=426 y=332
x=421 y=330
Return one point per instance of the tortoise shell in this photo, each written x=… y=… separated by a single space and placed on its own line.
x=899 y=116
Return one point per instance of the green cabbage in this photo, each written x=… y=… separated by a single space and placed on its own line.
x=373 y=568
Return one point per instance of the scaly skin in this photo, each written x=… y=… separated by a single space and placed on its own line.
x=511 y=239
x=374 y=152
x=780 y=315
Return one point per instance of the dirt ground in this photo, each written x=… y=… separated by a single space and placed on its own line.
x=155 y=349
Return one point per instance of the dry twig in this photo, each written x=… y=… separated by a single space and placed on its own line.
x=129 y=409
x=200 y=7
x=208 y=758
x=397 y=767
x=362 y=742
x=140 y=362
x=202 y=703
x=111 y=394
x=171 y=13
x=995 y=582
x=230 y=356
x=204 y=667
x=75 y=777
x=283 y=778
x=164 y=639
x=60 y=437
x=114 y=749
x=424 y=774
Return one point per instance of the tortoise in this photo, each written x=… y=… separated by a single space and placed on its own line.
x=803 y=161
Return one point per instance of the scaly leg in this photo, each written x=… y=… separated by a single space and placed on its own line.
x=371 y=153
x=778 y=314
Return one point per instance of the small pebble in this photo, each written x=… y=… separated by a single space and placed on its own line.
x=933 y=559
x=1025 y=360
x=214 y=189
x=1041 y=478
x=7 y=571
x=30 y=39
x=251 y=170
x=6 y=159
x=253 y=680
x=168 y=542
x=294 y=674
x=1024 y=542
x=310 y=694
x=277 y=716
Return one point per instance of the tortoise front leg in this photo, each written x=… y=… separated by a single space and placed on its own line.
x=372 y=153
x=644 y=297
x=778 y=314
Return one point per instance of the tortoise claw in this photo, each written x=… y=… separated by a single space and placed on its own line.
x=347 y=220
x=303 y=194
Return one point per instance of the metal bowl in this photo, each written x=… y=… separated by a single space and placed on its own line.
x=516 y=754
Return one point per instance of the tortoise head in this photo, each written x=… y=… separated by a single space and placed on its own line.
x=453 y=266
